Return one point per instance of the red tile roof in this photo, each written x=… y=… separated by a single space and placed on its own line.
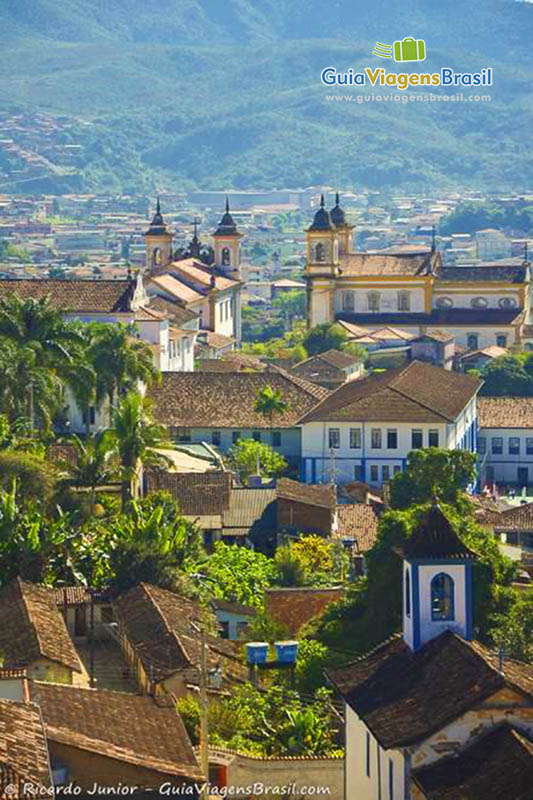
x=505 y=412
x=75 y=295
x=357 y=521
x=23 y=748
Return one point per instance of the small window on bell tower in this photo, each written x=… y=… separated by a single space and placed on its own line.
x=226 y=257
x=320 y=252
x=442 y=600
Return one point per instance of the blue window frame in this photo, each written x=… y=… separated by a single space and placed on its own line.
x=442 y=597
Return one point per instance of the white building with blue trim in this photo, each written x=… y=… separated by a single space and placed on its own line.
x=431 y=712
x=365 y=430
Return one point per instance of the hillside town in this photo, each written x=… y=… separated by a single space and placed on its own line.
x=266 y=493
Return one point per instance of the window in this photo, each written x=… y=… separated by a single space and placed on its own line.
x=375 y=438
x=348 y=302
x=374 y=473
x=444 y=302
x=472 y=341
x=442 y=597
x=276 y=438
x=215 y=438
x=224 y=629
x=501 y=340
x=392 y=439
x=497 y=445
x=91 y=416
x=385 y=473
x=417 y=439
x=320 y=252
x=407 y=593
x=396 y=469
x=373 y=301
x=404 y=301
x=479 y=302
x=391 y=779
x=183 y=434
x=514 y=446
x=482 y=446
x=433 y=438
x=529 y=446
x=226 y=257
x=235 y=436
x=334 y=436
x=256 y=436
x=507 y=302
x=355 y=438
x=357 y=472
x=368 y=755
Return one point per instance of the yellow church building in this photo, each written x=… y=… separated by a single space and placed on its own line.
x=480 y=305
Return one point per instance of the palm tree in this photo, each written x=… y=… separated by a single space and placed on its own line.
x=269 y=402
x=28 y=390
x=94 y=463
x=119 y=359
x=137 y=438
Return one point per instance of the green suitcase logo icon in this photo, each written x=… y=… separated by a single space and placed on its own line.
x=410 y=49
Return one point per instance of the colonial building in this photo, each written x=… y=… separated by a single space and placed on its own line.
x=432 y=713
x=212 y=291
x=505 y=442
x=480 y=305
x=365 y=429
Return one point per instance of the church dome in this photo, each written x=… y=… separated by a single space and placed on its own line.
x=322 y=220
x=338 y=217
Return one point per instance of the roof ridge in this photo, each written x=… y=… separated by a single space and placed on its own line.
x=410 y=397
x=146 y=587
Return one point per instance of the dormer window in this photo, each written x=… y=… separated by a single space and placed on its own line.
x=442 y=599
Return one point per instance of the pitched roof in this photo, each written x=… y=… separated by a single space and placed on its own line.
x=132 y=728
x=201 y=493
x=199 y=275
x=334 y=358
x=319 y=494
x=177 y=313
x=404 y=696
x=251 y=512
x=436 y=335
x=32 y=627
x=435 y=538
x=157 y=623
x=23 y=747
x=417 y=392
x=499 y=764
x=357 y=521
x=174 y=287
x=74 y=295
x=233 y=608
x=220 y=400
x=389 y=264
x=505 y=412
x=492 y=351
x=519 y=518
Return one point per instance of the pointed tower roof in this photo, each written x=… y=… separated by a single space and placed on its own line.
x=226 y=226
x=434 y=538
x=338 y=217
x=322 y=219
x=157 y=225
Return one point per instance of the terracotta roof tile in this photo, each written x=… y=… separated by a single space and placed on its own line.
x=357 y=521
x=251 y=512
x=519 y=518
x=415 y=393
x=312 y=494
x=157 y=623
x=219 y=400
x=505 y=412
x=175 y=288
x=175 y=312
x=23 y=748
x=389 y=264
x=404 y=696
x=32 y=627
x=195 y=493
x=501 y=272
x=131 y=728
x=498 y=765
x=74 y=295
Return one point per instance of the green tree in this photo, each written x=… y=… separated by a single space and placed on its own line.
x=433 y=472
x=290 y=305
x=28 y=390
x=138 y=438
x=270 y=403
x=238 y=574
x=324 y=337
x=35 y=479
x=94 y=463
x=509 y=375
x=291 y=568
x=247 y=455
x=514 y=630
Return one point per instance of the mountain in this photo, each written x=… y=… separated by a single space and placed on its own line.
x=217 y=93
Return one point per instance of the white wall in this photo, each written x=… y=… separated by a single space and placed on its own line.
x=388 y=300
x=360 y=786
x=506 y=465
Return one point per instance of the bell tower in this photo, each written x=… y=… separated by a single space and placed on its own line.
x=227 y=240
x=322 y=267
x=437 y=581
x=158 y=241
x=343 y=227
